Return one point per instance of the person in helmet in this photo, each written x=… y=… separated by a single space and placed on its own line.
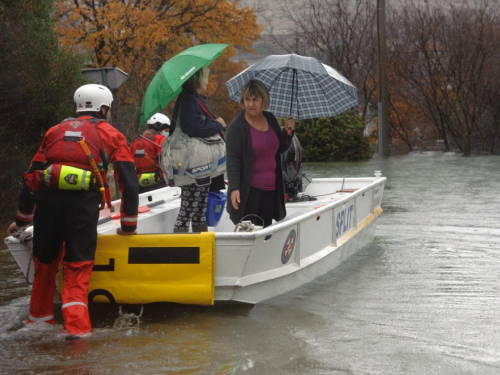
x=146 y=150
x=65 y=182
x=159 y=123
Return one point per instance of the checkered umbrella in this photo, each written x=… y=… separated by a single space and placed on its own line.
x=298 y=85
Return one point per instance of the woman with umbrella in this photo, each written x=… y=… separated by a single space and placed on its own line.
x=300 y=86
x=196 y=120
x=254 y=144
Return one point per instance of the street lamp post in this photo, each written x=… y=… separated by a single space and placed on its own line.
x=383 y=100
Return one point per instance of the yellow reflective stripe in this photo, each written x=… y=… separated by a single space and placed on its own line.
x=84 y=180
x=44 y=319
x=69 y=304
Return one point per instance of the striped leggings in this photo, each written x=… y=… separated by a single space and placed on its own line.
x=193 y=206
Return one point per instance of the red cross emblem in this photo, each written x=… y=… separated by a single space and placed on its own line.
x=288 y=247
x=75 y=124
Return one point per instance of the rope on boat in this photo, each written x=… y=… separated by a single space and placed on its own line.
x=304 y=176
x=247 y=226
x=26 y=238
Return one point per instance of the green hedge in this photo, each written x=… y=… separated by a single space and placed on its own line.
x=333 y=139
x=37 y=81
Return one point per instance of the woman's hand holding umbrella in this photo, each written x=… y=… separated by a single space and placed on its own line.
x=289 y=125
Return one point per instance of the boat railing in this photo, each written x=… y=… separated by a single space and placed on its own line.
x=317 y=208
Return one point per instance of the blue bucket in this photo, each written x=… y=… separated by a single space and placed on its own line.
x=215 y=207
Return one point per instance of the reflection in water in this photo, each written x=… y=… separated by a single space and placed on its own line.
x=422 y=299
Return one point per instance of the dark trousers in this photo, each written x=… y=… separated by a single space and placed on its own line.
x=260 y=205
x=68 y=216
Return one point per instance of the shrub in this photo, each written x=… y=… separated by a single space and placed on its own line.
x=338 y=138
x=37 y=82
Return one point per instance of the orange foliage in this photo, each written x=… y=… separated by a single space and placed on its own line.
x=409 y=127
x=137 y=36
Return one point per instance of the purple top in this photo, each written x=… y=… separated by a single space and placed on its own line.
x=265 y=146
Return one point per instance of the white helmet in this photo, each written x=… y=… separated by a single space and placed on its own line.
x=90 y=98
x=158 y=122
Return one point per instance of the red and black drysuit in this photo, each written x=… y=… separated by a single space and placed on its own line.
x=65 y=221
x=146 y=158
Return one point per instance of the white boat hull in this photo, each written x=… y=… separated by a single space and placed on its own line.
x=256 y=288
x=250 y=267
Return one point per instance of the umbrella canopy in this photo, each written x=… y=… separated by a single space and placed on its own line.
x=167 y=83
x=298 y=85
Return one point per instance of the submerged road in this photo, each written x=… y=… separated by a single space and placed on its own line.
x=423 y=298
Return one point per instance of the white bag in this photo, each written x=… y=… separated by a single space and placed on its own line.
x=186 y=160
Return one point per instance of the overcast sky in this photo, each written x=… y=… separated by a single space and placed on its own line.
x=269 y=12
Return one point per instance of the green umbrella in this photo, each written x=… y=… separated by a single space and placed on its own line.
x=167 y=83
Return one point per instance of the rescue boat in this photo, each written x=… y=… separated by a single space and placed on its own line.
x=331 y=220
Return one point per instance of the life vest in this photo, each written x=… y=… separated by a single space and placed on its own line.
x=77 y=143
x=144 y=154
x=62 y=145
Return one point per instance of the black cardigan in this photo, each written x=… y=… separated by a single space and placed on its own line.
x=194 y=122
x=239 y=151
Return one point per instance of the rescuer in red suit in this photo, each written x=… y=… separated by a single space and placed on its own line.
x=146 y=150
x=66 y=184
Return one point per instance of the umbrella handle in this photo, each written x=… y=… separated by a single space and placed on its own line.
x=293 y=89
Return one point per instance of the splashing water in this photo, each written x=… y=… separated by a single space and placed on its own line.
x=127 y=320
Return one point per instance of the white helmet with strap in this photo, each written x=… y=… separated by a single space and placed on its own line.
x=90 y=98
x=158 y=122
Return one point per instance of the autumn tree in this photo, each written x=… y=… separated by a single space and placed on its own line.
x=137 y=36
x=446 y=54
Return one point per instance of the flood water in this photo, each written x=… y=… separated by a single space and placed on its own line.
x=423 y=298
